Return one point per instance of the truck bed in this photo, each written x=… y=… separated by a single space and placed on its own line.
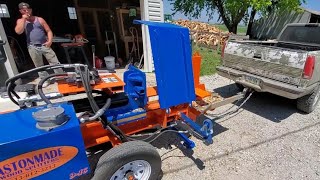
x=283 y=45
x=280 y=61
x=288 y=66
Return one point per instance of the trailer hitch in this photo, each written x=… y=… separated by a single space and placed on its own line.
x=204 y=133
x=226 y=101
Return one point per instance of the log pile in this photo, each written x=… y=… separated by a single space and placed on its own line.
x=204 y=34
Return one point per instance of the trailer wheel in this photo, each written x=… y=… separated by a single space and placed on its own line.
x=136 y=160
x=309 y=102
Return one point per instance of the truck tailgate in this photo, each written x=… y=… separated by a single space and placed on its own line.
x=281 y=64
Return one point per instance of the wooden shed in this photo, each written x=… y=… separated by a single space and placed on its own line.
x=104 y=23
x=269 y=27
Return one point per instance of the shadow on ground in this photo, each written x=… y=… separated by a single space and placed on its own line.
x=172 y=142
x=245 y=148
x=272 y=107
x=169 y=141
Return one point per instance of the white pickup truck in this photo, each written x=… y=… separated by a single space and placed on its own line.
x=288 y=66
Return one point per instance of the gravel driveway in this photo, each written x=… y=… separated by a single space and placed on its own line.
x=267 y=139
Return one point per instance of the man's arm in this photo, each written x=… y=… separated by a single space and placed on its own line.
x=48 y=30
x=20 y=26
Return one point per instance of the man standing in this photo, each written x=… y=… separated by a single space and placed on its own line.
x=39 y=38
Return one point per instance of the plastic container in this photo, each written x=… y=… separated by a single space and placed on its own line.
x=110 y=62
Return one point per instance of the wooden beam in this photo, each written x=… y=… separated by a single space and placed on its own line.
x=98 y=32
x=79 y=17
x=94 y=9
x=111 y=13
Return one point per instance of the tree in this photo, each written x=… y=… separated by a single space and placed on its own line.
x=232 y=12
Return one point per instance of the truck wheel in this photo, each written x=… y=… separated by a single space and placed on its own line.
x=309 y=102
x=136 y=160
x=240 y=86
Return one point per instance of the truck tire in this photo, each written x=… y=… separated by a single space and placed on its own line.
x=309 y=102
x=133 y=160
x=239 y=86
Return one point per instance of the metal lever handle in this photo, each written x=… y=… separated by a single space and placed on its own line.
x=257 y=56
x=93 y=48
x=93 y=56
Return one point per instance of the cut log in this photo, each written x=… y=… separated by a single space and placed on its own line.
x=204 y=34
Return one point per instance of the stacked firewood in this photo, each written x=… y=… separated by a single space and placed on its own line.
x=204 y=34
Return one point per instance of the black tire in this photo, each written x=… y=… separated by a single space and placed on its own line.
x=240 y=86
x=117 y=157
x=309 y=102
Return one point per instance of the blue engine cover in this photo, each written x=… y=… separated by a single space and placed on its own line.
x=27 y=152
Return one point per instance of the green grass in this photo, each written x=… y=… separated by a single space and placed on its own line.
x=241 y=29
x=210 y=60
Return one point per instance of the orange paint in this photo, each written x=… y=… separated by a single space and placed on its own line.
x=65 y=88
x=196 y=64
x=152 y=91
x=202 y=93
x=153 y=105
x=94 y=134
x=5 y=112
x=36 y=163
x=199 y=88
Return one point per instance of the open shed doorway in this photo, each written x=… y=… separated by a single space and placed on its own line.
x=107 y=24
x=104 y=23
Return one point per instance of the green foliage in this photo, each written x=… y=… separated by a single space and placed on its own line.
x=210 y=60
x=241 y=28
x=192 y=8
x=260 y=5
x=232 y=12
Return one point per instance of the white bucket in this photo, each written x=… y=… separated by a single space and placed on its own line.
x=110 y=62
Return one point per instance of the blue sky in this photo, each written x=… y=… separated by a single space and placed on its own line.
x=311 y=4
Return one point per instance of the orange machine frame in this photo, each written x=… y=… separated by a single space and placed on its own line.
x=93 y=132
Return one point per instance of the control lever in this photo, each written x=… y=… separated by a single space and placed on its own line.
x=93 y=56
x=37 y=98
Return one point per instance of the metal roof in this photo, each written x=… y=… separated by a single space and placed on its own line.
x=311 y=11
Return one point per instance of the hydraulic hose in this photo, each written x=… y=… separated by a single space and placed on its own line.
x=40 y=84
x=11 y=81
x=10 y=92
x=89 y=90
x=106 y=124
x=228 y=112
x=38 y=69
x=85 y=77
x=99 y=113
x=151 y=138
x=114 y=129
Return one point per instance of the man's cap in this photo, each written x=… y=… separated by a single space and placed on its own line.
x=23 y=5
